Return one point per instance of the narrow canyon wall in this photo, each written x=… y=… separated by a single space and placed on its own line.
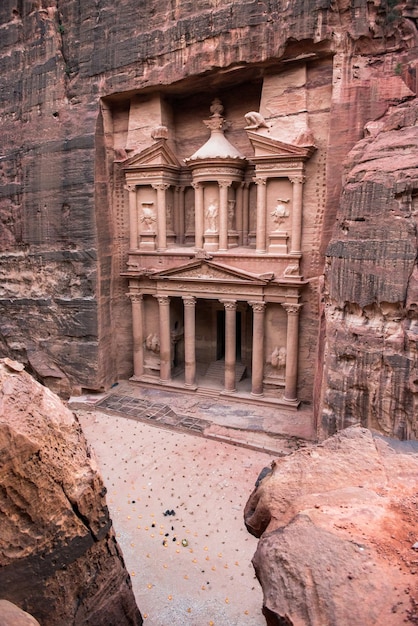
x=59 y=558
x=63 y=236
x=371 y=292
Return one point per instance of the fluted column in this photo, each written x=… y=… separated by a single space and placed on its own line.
x=133 y=217
x=223 y=214
x=258 y=348
x=137 y=333
x=198 y=215
x=296 y=240
x=165 y=338
x=292 y=349
x=161 y=215
x=189 y=341
x=260 y=243
x=230 y=343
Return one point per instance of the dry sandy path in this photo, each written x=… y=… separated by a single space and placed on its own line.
x=149 y=471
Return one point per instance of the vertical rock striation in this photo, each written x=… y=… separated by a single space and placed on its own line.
x=59 y=557
x=371 y=359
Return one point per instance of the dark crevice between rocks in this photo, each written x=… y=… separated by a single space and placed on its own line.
x=272 y=619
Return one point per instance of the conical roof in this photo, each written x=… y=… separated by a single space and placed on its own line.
x=217 y=146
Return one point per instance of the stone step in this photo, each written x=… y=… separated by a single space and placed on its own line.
x=216 y=372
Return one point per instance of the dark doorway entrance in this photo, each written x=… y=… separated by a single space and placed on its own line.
x=220 y=335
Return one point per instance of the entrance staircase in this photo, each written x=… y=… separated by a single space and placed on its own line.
x=215 y=374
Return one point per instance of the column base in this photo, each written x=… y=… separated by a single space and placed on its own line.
x=227 y=392
x=257 y=395
x=291 y=401
x=191 y=387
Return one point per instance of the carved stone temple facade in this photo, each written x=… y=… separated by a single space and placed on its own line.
x=217 y=240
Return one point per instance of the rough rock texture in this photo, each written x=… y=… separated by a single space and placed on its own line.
x=63 y=239
x=338 y=533
x=371 y=349
x=59 y=559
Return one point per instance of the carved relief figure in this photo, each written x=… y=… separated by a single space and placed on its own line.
x=152 y=343
x=278 y=358
x=254 y=120
x=231 y=214
x=148 y=215
x=280 y=212
x=211 y=215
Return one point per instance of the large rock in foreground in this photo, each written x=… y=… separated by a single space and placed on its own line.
x=59 y=559
x=338 y=528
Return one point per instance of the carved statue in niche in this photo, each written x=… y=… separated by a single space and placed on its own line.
x=278 y=357
x=254 y=120
x=211 y=215
x=231 y=214
x=152 y=343
x=189 y=218
x=169 y=216
x=280 y=212
x=148 y=215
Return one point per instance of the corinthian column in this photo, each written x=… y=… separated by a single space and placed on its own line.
x=189 y=341
x=292 y=348
x=133 y=217
x=165 y=338
x=260 y=243
x=161 y=215
x=223 y=214
x=198 y=215
x=230 y=343
x=137 y=333
x=296 y=241
x=258 y=348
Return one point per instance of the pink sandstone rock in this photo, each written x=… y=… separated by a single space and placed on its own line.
x=338 y=531
x=59 y=559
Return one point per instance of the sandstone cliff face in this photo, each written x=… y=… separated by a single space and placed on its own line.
x=337 y=527
x=371 y=301
x=63 y=236
x=59 y=557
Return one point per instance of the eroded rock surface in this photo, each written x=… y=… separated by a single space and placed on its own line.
x=59 y=559
x=337 y=526
x=371 y=348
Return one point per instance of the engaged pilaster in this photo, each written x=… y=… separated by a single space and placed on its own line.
x=223 y=214
x=199 y=217
x=133 y=217
x=161 y=215
x=292 y=350
x=296 y=240
x=258 y=348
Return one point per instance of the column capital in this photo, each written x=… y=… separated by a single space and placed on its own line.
x=224 y=183
x=229 y=304
x=258 y=307
x=160 y=186
x=197 y=185
x=135 y=297
x=130 y=187
x=292 y=309
x=180 y=188
x=189 y=301
x=297 y=179
x=162 y=300
x=260 y=180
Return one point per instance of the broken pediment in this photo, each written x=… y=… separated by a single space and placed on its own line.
x=268 y=148
x=211 y=272
x=157 y=155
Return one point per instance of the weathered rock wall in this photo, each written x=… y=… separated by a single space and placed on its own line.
x=62 y=243
x=371 y=290
x=59 y=559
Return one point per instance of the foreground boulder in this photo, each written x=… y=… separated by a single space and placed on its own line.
x=338 y=528
x=59 y=559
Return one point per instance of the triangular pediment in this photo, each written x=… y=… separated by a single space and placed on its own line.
x=157 y=155
x=209 y=271
x=268 y=147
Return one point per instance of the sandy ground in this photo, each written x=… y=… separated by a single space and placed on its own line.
x=194 y=567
